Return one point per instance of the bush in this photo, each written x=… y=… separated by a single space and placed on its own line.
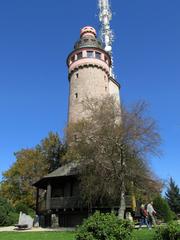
x=101 y=226
x=12 y=218
x=167 y=232
x=7 y=213
x=21 y=207
x=163 y=210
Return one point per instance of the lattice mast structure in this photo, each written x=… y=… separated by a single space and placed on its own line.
x=106 y=33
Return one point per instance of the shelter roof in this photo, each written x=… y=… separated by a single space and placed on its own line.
x=70 y=169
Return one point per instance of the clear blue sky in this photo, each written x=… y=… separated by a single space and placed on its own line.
x=35 y=38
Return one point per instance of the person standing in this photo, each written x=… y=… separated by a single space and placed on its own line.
x=143 y=216
x=151 y=212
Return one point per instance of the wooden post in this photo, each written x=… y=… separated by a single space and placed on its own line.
x=48 y=197
x=37 y=200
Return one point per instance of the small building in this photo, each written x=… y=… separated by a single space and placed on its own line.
x=61 y=198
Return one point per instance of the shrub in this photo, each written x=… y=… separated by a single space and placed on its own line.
x=21 y=207
x=12 y=218
x=163 y=210
x=167 y=232
x=7 y=213
x=101 y=226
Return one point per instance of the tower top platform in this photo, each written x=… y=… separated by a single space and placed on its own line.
x=88 y=30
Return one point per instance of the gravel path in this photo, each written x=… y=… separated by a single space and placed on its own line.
x=38 y=229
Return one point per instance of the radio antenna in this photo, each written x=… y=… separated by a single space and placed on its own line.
x=106 y=34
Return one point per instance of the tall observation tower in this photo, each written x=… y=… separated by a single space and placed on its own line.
x=90 y=72
x=90 y=66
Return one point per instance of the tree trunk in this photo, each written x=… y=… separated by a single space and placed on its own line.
x=122 y=207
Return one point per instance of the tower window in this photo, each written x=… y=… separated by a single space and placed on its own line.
x=106 y=89
x=77 y=75
x=90 y=54
x=98 y=55
x=76 y=95
x=73 y=58
x=79 y=55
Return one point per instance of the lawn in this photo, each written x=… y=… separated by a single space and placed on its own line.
x=139 y=235
x=143 y=234
x=36 y=235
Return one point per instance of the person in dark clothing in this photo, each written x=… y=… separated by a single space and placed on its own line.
x=143 y=217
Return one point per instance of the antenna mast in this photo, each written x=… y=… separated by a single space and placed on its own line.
x=106 y=34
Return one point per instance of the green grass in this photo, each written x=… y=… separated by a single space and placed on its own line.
x=139 y=235
x=143 y=234
x=36 y=235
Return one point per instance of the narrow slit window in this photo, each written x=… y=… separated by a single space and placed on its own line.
x=76 y=95
x=77 y=75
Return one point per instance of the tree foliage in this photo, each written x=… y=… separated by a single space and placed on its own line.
x=52 y=150
x=163 y=210
x=173 y=196
x=17 y=181
x=7 y=214
x=110 y=145
x=30 y=165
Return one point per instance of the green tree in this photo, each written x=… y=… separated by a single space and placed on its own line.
x=7 y=214
x=30 y=166
x=163 y=210
x=173 y=196
x=52 y=150
x=17 y=181
x=110 y=146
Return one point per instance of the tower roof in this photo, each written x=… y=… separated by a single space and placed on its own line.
x=88 y=39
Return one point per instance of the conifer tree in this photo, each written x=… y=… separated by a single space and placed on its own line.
x=173 y=196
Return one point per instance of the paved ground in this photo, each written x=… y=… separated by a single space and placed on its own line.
x=39 y=229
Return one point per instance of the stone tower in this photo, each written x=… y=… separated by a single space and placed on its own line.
x=89 y=67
